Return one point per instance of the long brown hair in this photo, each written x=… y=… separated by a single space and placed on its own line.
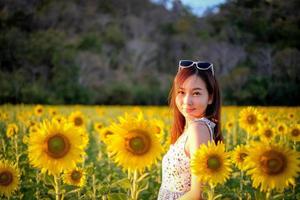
x=213 y=110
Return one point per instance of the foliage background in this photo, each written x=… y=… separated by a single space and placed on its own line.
x=126 y=52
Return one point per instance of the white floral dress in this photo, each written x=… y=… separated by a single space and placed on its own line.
x=176 y=172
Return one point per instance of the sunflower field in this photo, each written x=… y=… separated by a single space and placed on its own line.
x=115 y=153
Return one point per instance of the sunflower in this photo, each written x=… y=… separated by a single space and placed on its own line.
x=38 y=110
x=294 y=132
x=34 y=128
x=59 y=118
x=25 y=139
x=98 y=126
x=9 y=178
x=266 y=133
x=238 y=156
x=11 y=130
x=159 y=124
x=272 y=166
x=52 y=112
x=3 y=116
x=282 y=128
x=265 y=118
x=75 y=177
x=291 y=115
x=249 y=118
x=55 y=147
x=134 y=144
x=30 y=123
x=78 y=119
x=211 y=164
x=105 y=134
x=229 y=126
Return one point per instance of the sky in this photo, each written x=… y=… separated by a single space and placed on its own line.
x=198 y=6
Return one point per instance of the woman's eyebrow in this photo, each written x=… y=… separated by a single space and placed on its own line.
x=182 y=88
x=197 y=89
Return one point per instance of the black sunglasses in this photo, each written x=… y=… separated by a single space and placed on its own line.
x=201 y=65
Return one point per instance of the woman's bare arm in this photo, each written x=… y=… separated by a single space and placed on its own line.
x=198 y=134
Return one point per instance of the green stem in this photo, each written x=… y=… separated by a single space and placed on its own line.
x=134 y=194
x=269 y=195
x=241 y=184
x=78 y=194
x=248 y=136
x=3 y=146
x=234 y=136
x=211 y=194
x=37 y=192
x=94 y=187
x=57 y=187
x=16 y=149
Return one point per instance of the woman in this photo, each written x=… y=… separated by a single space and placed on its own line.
x=195 y=101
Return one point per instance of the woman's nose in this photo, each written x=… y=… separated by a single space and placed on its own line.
x=187 y=100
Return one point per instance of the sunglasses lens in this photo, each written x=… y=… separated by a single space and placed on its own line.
x=185 y=63
x=203 y=65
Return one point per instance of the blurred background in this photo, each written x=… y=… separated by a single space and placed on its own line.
x=126 y=52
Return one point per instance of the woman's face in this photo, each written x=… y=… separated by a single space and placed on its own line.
x=192 y=98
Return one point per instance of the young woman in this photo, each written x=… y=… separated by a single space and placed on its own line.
x=195 y=101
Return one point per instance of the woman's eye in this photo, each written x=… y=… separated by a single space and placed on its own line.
x=197 y=93
x=180 y=92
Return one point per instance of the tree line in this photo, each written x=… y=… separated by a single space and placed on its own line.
x=126 y=52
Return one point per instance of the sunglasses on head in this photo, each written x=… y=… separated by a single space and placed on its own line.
x=201 y=65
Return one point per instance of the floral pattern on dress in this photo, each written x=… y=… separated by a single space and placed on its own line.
x=176 y=172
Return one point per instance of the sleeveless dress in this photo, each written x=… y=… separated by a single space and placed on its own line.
x=176 y=172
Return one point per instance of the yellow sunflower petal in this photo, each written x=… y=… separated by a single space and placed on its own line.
x=134 y=144
x=272 y=166
x=9 y=178
x=55 y=146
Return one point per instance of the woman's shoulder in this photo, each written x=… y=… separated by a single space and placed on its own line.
x=198 y=127
x=201 y=128
x=203 y=121
x=198 y=133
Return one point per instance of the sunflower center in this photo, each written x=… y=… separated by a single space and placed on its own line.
x=295 y=132
x=39 y=110
x=158 y=129
x=78 y=121
x=251 y=119
x=107 y=133
x=280 y=128
x=273 y=162
x=76 y=175
x=230 y=125
x=213 y=162
x=268 y=133
x=139 y=143
x=6 y=178
x=243 y=156
x=58 y=146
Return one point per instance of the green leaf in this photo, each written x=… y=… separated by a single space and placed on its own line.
x=123 y=183
x=117 y=196
x=142 y=177
x=218 y=196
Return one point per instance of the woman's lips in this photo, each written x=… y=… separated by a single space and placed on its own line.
x=188 y=110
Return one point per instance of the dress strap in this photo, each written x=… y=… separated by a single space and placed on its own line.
x=211 y=125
